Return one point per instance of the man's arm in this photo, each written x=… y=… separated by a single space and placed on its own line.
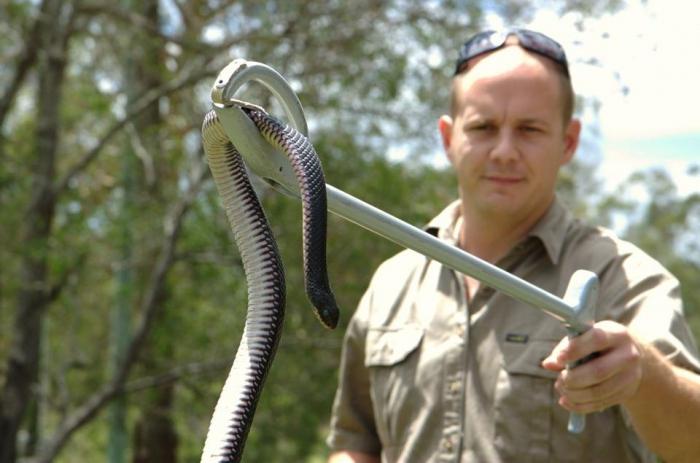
x=663 y=400
x=352 y=457
x=352 y=419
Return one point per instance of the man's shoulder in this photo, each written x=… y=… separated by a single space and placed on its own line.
x=584 y=237
x=601 y=246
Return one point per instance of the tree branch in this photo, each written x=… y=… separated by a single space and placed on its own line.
x=175 y=374
x=139 y=21
x=135 y=19
x=182 y=81
x=56 y=288
x=143 y=155
x=149 y=309
x=207 y=367
x=26 y=60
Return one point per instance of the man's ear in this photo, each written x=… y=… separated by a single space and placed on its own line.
x=572 y=136
x=445 y=127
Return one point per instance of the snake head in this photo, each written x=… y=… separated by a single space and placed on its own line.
x=325 y=307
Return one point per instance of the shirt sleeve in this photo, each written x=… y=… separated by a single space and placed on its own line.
x=352 y=424
x=648 y=300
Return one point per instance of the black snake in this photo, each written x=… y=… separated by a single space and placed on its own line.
x=263 y=268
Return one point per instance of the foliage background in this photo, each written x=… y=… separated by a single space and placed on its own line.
x=112 y=233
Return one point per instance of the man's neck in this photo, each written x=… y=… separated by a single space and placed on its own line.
x=491 y=237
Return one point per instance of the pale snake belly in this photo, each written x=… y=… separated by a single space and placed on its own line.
x=262 y=265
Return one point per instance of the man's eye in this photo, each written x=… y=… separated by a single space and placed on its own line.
x=531 y=129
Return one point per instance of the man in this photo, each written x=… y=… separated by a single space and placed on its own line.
x=437 y=367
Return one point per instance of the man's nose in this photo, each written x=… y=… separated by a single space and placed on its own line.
x=504 y=148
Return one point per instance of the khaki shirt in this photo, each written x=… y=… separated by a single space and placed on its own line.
x=427 y=376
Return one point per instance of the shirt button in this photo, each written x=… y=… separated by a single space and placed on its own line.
x=460 y=331
x=454 y=387
x=447 y=444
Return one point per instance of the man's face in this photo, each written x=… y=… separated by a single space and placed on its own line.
x=507 y=139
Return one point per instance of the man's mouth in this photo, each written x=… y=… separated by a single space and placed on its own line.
x=503 y=179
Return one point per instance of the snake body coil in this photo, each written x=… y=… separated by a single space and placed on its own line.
x=264 y=272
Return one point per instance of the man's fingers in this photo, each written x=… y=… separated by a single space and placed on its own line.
x=601 y=368
x=601 y=337
x=599 y=396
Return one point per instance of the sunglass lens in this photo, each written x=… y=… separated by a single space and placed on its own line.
x=542 y=44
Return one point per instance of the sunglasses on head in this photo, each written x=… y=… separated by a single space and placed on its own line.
x=488 y=41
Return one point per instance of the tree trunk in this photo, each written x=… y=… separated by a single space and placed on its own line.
x=155 y=438
x=34 y=295
x=142 y=67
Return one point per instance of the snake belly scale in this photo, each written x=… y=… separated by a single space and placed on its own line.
x=262 y=265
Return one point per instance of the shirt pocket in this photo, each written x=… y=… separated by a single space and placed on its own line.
x=391 y=356
x=524 y=401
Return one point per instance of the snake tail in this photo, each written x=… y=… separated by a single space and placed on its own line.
x=262 y=265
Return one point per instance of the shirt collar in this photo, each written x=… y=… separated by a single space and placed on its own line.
x=446 y=224
x=550 y=230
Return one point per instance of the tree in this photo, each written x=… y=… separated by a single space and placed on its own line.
x=55 y=23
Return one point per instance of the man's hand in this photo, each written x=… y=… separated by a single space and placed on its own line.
x=611 y=378
x=662 y=399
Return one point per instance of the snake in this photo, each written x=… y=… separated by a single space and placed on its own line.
x=262 y=265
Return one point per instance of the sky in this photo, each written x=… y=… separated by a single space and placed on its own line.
x=645 y=76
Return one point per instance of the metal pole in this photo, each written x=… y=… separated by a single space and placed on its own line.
x=410 y=237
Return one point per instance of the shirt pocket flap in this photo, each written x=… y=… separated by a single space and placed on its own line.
x=526 y=359
x=388 y=346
